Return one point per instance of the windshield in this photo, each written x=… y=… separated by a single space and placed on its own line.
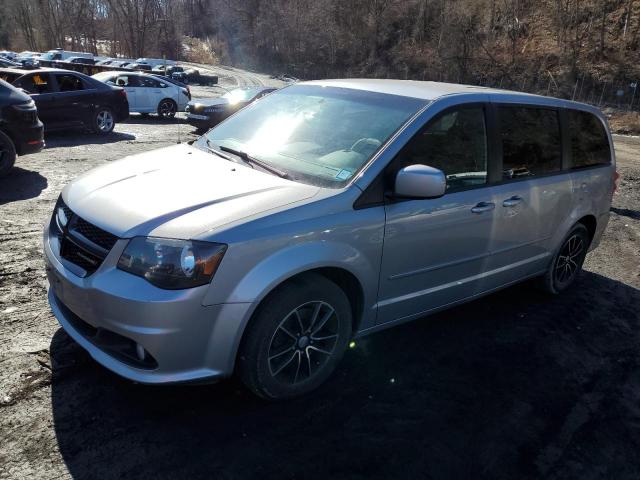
x=51 y=56
x=318 y=135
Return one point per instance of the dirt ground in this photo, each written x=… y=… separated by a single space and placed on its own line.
x=516 y=385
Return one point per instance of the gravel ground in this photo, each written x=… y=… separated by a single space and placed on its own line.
x=516 y=385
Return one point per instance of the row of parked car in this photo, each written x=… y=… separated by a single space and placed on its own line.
x=51 y=98
x=66 y=59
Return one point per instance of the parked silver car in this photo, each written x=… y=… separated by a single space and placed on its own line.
x=325 y=211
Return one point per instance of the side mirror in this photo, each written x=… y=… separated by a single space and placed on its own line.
x=420 y=181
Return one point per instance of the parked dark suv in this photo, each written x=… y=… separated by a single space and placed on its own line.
x=21 y=131
x=71 y=99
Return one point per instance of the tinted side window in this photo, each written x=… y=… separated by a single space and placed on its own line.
x=36 y=83
x=531 y=142
x=127 y=81
x=150 y=82
x=589 y=141
x=456 y=143
x=69 y=83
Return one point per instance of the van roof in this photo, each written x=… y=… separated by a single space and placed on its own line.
x=427 y=90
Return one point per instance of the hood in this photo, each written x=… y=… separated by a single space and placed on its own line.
x=207 y=102
x=177 y=192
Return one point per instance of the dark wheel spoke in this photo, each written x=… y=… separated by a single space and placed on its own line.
x=323 y=322
x=314 y=317
x=281 y=327
x=295 y=378
x=569 y=259
x=285 y=364
x=290 y=349
x=306 y=352
x=297 y=314
x=316 y=349
x=326 y=337
x=311 y=327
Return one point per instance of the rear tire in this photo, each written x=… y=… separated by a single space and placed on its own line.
x=104 y=121
x=296 y=338
x=167 y=108
x=567 y=262
x=7 y=154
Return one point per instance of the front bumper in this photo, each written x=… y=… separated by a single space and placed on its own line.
x=110 y=313
x=201 y=121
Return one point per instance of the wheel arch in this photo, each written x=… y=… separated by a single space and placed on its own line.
x=590 y=222
x=164 y=99
x=346 y=280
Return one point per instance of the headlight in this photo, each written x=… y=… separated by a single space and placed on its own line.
x=172 y=264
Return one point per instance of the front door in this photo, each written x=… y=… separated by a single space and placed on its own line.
x=436 y=250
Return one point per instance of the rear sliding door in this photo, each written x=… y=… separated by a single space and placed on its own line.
x=534 y=194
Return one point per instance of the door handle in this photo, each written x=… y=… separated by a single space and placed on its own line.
x=483 y=207
x=512 y=202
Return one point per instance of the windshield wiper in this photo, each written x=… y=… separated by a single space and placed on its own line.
x=215 y=151
x=249 y=159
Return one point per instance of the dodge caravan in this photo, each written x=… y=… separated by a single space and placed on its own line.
x=323 y=212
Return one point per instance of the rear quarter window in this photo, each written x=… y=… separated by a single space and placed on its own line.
x=589 y=140
x=531 y=141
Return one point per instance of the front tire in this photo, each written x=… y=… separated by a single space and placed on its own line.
x=167 y=108
x=296 y=338
x=7 y=154
x=567 y=263
x=104 y=121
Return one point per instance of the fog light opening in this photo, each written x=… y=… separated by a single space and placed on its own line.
x=140 y=352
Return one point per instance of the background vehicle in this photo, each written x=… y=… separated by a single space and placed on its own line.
x=63 y=55
x=83 y=60
x=8 y=54
x=175 y=82
x=206 y=113
x=155 y=61
x=21 y=132
x=28 y=60
x=148 y=93
x=172 y=71
x=71 y=99
x=6 y=63
x=120 y=63
x=140 y=66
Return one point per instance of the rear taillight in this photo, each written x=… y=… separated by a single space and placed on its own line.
x=616 y=181
x=123 y=93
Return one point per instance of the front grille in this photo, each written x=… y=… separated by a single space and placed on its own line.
x=96 y=235
x=78 y=255
x=81 y=242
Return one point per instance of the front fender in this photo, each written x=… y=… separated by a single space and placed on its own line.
x=285 y=263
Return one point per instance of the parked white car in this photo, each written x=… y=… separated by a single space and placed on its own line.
x=148 y=94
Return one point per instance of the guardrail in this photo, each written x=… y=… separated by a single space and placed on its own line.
x=93 y=69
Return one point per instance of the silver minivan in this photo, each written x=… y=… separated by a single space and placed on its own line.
x=326 y=211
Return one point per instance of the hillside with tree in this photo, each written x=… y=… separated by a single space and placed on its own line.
x=583 y=49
